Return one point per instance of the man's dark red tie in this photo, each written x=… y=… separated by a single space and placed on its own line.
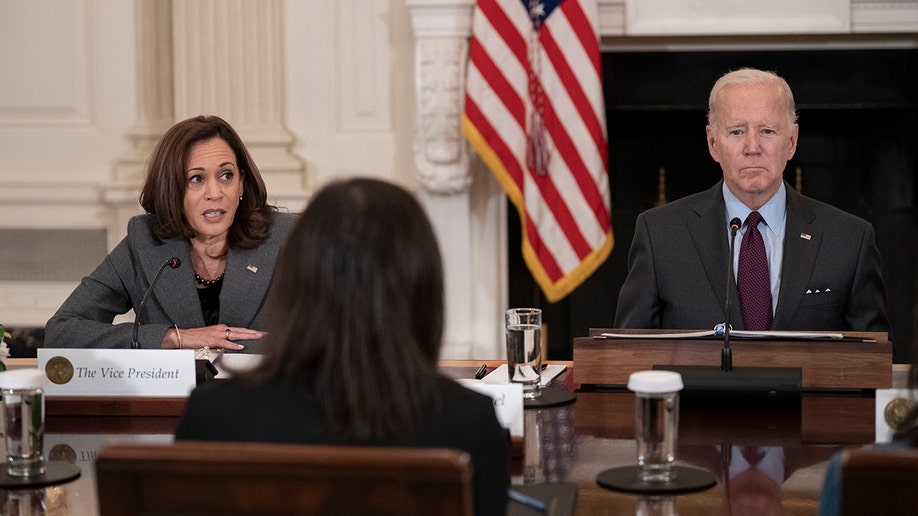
x=752 y=279
x=752 y=455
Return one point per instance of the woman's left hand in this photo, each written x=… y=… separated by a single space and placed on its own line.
x=216 y=336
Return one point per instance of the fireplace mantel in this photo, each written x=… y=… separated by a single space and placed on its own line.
x=462 y=198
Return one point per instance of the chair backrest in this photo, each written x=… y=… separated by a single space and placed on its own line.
x=195 y=477
x=878 y=480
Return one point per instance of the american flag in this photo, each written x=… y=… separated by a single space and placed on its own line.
x=534 y=111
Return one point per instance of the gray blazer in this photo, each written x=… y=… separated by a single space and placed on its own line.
x=119 y=282
x=677 y=269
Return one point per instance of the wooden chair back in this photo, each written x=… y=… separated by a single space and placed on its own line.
x=879 y=481
x=195 y=477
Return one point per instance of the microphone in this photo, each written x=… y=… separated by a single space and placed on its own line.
x=745 y=386
x=173 y=263
x=726 y=355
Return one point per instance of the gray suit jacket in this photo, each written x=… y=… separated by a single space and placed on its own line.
x=677 y=269
x=119 y=282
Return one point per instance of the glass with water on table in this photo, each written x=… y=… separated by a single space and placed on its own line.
x=656 y=411
x=23 y=403
x=524 y=349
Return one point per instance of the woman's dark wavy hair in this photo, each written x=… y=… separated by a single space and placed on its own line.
x=356 y=309
x=163 y=190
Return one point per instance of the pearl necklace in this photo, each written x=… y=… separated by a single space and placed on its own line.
x=208 y=282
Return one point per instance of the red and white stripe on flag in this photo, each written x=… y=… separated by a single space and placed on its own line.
x=518 y=68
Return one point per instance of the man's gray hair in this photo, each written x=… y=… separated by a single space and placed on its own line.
x=751 y=76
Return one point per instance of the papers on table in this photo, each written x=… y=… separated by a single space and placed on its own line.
x=500 y=375
x=508 y=397
x=230 y=363
x=508 y=402
x=744 y=334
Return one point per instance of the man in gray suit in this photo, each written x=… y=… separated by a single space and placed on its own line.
x=824 y=269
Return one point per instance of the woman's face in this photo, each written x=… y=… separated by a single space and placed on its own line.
x=213 y=189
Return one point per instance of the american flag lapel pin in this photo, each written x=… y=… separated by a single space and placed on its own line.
x=805 y=236
x=252 y=268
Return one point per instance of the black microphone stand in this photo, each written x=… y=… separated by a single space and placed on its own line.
x=745 y=386
x=171 y=262
x=726 y=355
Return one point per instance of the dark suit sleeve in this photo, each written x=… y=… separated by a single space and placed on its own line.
x=490 y=461
x=866 y=309
x=200 y=420
x=638 y=301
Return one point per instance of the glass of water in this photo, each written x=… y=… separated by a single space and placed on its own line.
x=23 y=403
x=656 y=412
x=524 y=349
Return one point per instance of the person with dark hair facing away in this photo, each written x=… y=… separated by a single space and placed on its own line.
x=206 y=205
x=351 y=353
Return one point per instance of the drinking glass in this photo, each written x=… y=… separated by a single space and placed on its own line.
x=524 y=349
x=23 y=403
x=656 y=412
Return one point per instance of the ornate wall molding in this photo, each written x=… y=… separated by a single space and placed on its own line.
x=440 y=152
x=228 y=61
x=208 y=57
x=880 y=16
x=441 y=30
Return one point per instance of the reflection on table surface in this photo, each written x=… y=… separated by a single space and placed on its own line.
x=73 y=498
x=766 y=461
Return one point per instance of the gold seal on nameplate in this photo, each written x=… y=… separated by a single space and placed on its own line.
x=897 y=411
x=59 y=370
x=63 y=452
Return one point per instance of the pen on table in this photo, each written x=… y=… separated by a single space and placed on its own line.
x=533 y=503
x=481 y=372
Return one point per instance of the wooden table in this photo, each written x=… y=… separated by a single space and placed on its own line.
x=571 y=443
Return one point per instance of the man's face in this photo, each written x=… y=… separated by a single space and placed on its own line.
x=752 y=138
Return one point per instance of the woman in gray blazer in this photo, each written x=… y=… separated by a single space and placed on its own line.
x=207 y=245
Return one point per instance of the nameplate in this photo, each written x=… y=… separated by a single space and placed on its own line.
x=118 y=372
x=508 y=402
x=893 y=407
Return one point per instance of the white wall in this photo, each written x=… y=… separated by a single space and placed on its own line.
x=67 y=96
x=349 y=88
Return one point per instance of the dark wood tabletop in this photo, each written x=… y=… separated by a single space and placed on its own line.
x=571 y=444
